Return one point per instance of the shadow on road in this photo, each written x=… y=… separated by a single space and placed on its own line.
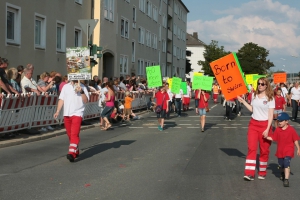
x=99 y=148
x=233 y=152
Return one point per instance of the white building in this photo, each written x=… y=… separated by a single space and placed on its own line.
x=197 y=48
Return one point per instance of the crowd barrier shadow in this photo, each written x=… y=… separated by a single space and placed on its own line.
x=99 y=148
x=233 y=152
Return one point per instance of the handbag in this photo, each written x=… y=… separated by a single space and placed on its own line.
x=158 y=108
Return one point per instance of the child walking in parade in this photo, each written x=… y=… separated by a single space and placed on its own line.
x=127 y=105
x=287 y=138
x=279 y=105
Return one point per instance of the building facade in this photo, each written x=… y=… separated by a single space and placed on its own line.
x=39 y=32
x=197 y=48
x=135 y=34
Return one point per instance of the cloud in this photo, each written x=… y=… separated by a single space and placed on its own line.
x=264 y=22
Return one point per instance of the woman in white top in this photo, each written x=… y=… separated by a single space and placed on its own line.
x=262 y=108
x=295 y=92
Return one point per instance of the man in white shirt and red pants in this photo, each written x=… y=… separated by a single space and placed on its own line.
x=73 y=97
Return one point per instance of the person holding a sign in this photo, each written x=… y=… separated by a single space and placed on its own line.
x=295 y=97
x=262 y=108
x=170 y=100
x=202 y=106
x=162 y=107
x=73 y=98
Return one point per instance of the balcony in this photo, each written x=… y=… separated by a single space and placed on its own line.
x=169 y=58
x=170 y=11
x=169 y=34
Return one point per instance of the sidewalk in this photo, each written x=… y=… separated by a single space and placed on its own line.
x=32 y=135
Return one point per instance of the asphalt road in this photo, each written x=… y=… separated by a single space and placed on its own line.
x=137 y=162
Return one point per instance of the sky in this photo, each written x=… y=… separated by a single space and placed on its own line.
x=272 y=24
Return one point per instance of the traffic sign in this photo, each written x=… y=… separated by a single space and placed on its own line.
x=88 y=25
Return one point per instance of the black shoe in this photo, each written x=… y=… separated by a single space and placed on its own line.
x=202 y=130
x=248 y=178
x=286 y=183
x=70 y=157
x=282 y=176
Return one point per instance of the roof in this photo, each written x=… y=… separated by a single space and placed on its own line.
x=184 y=6
x=193 y=41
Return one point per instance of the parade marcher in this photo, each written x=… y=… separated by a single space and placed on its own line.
x=178 y=102
x=187 y=98
x=203 y=103
x=262 y=108
x=73 y=98
x=196 y=100
x=279 y=105
x=230 y=104
x=168 y=90
x=216 y=90
x=162 y=107
x=287 y=138
x=295 y=100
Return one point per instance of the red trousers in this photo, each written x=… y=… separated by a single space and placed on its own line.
x=72 y=125
x=215 y=97
x=256 y=128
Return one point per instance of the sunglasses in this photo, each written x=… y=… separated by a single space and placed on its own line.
x=262 y=84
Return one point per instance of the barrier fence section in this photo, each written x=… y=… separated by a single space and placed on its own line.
x=30 y=111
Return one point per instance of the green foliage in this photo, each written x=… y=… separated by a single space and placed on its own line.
x=211 y=53
x=253 y=59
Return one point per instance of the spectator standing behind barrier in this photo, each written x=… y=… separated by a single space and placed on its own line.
x=262 y=108
x=43 y=82
x=28 y=84
x=64 y=82
x=4 y=82
x=295 y=100
x=12 y=76
x=127 y=105
x=73 y=97
x=203 y=103
x=109 y=105
x=122 y=85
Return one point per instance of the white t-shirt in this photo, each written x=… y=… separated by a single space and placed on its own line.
x=284 y=92
x=188 y=91
x=260 y=107
x=179 y=95
x=73 y=104
x=295 y=93
x=28 y=83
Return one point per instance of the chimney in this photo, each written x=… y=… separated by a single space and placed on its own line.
x=195 y=35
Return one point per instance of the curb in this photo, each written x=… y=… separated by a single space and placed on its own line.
x=44 y=136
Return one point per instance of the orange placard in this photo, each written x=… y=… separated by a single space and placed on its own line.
x=279 y=77
x=229 y=76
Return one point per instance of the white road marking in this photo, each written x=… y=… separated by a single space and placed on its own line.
x=184 y=124
x=229 y=127
x=215 y=127
x=135 y=127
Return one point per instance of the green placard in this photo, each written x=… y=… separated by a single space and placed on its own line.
x=202 y=82
x=154 y=76
x=176 y=83
x=183 y=86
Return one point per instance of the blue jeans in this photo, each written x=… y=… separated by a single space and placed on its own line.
x=178 y=106
x=295 y=109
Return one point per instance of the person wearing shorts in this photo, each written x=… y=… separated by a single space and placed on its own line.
x=162 y=99
x=127 y=105
x=203 y=103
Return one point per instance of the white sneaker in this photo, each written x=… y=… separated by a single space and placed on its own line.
x=43 y=129
x=50 y=128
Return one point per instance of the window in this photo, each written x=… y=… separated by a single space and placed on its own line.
x=78 y=1
x=149 y=8
x=164 y=46
x=160 y=6
x=124 y=28
x=163 y=69
x=141 y=68
x=109 y=10
x=78 y=37
x=142 y=5
x=164 y=21
x=155 y=13
x=174 y=50
x=13 y=24
x=133 y=51
x=174 y=29
x=134 y=17
x=154 y=41
x=123 y=64
x=159 y=33
x=158 y=56
x=40 y=31
x=178 y=53
x=148 y=38
x=60 y=37
x=141 y=35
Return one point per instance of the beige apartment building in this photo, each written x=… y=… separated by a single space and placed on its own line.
x=135 y=34
x=38 y=32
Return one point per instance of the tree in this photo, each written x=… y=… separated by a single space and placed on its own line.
x=211 y=53
x=253 y=59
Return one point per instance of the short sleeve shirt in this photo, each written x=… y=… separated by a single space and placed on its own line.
x=73 y=104
x=295 y=93
x=128 y=101
x=260 y=107
x=28 y=83
x=285 y=141
x=279 y=102
x=160 y=97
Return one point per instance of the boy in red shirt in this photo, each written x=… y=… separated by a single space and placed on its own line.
x=162 y=101
x=286 y=138
x=279 y=105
